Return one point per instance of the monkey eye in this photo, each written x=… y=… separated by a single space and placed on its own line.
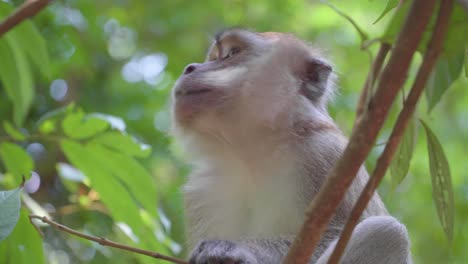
x=233 y=51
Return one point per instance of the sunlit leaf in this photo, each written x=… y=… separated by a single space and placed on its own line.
x=390 y=5
x=47 y=123
x=78 y=126
x=362 y=33
x=103 y=178
x=10 y=205
x=445 y=72
x=402 y=159
x=122 y=143
x=33 y=45
x=13 y=132
x=30 y=41
x=130 y=172
x=441 y=182
x=114 y=121
x=16 y=77
x=24 y=245
x=16 y=159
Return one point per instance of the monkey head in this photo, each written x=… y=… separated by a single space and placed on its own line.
x=252 y=82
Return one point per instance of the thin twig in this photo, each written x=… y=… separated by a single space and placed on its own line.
x=430 y=58
x=106 y=242
x=35 y=226
x=28 y=9
x=366 y=93
x=323 y=206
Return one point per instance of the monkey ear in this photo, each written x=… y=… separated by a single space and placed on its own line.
x=315 y=78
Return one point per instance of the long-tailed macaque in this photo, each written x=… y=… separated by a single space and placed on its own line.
x=253 y=119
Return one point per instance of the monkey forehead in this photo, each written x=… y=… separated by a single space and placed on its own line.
x=286 y=43
x=272 y=35
x=233 y=37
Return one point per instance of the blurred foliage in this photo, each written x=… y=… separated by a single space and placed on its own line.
x=84 y=90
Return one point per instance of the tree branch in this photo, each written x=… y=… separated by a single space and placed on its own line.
x=106 y=242
x=28 y=9
x=370 y=81
x=324 y=205
x=433 y=50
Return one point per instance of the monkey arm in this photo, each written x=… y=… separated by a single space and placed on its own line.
x=377 y=239
x=253 y=251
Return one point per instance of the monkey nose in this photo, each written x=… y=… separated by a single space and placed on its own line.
x=190 y=68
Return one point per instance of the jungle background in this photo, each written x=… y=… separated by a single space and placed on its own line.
x=92 y=111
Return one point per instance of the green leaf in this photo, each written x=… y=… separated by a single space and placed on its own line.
x=30 y=41
x=390 y=5
x=445 y=72
x=466 y=62
x=362 y=33
x=13 y=132
x=33 y=45
x=47 y=123
x=16 y=160
x=457 y=33
x=441 y=182
x=114 y=121
x=136 y=178
x=102 y=178
x=16 y=77
x=78 y=126
x=5 y=9
x=24 y=245
x=102 y=174
x=402 y=159
x=395 y=24
x=10 y=205
x=122 y=143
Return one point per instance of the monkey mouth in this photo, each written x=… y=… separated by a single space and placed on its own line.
x=188 y=92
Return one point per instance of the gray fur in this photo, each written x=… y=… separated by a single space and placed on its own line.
x=261 y=152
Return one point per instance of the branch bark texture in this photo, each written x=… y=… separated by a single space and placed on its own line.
x=362 y=139
x=106 y=242
x=28 y=9
x=430 y=58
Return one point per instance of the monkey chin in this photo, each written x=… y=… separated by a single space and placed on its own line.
x=191 y=101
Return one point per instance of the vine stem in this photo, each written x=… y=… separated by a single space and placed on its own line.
x=433 y=50
x=104 y=241
x=323 y=206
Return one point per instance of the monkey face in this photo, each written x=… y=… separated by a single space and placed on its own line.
x=213 y=87
x=250 y=79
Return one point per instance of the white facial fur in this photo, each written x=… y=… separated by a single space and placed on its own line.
x=223 y=77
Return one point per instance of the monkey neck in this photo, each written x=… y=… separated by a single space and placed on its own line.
x=247 y=148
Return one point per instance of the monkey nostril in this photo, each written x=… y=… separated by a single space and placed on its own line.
x=190 y=68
